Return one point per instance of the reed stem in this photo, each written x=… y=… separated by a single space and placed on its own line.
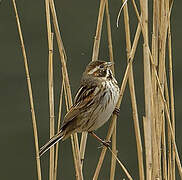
x=34 y=123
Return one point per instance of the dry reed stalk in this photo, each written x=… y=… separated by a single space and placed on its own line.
x=171 y=100
x=147 y=91
x=172 y=165
x=62 y=53
x=58 y=129
x=30 y=92
x=51 y=106
x=148 y=115
x=164 y=159
x=121 y=165
x=168 y=136
x=74 y=138
x=123 y=85
x=114 y=150
x=133 y=96
x=171 y=153
x=98 y=31
x=155 y=147
x=111 y=57
x=109 y=35
x=161 y=71
x=51 y=87
x=83 y=146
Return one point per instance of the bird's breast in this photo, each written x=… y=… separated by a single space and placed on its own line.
x=107 y=103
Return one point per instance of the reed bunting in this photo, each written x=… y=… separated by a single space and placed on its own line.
x=94 y=103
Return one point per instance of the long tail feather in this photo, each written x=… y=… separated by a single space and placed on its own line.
x=55 y=139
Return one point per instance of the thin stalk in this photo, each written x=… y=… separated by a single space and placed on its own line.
x=155 y=146
x=83 y=146
x=51 y=87
x=58 y=129
x=114 y=143
x=171 y=94
x=163 y=25
x=162 y=45
x=67 y=84
x=163 y=144
x=109 y=35
x=30 y=93
x=167 y=161
x=121 y=165
x=147 y=119
x=51 y=106
x=98 y=31
x=147 y=90
x=165 y=175
x=114 y=150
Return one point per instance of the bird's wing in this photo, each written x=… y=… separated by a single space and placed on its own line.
x=84 y=98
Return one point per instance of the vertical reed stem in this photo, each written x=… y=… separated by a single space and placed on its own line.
x=147 y=90
x=98 y=31
x=30 y=93
x=171 y=95
x=51 y=87
x=51 y=104
x=58 y=129
x=133 y=96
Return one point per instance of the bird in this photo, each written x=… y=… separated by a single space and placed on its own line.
x=94 y=103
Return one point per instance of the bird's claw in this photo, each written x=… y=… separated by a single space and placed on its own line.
x=116 y=111
x=105 y=143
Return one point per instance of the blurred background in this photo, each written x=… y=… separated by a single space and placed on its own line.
x=77 y=20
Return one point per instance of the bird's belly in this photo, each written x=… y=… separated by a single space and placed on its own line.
x=103 y=117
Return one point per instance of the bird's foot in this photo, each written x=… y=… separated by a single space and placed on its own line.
x=105 y=143
x=116 y=111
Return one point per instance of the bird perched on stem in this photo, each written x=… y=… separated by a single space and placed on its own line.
x=94 y=103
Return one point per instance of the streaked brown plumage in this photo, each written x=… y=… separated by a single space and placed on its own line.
x=94 y=103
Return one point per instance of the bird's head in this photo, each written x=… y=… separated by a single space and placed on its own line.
x=99 y=69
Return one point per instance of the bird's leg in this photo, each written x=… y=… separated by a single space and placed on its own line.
x=116 y=111
x=105 y=143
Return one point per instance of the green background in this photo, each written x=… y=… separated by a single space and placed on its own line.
x=77 y=20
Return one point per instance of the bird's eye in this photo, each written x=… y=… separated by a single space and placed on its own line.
x=101 y=66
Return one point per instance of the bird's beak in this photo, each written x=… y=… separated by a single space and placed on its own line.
x=109 y=64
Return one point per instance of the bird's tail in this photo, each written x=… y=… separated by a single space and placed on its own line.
x=55 y=139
